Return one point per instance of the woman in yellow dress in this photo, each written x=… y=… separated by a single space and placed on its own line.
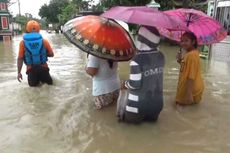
x=190 y=84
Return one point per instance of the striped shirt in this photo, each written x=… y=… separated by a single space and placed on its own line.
x=145 y=84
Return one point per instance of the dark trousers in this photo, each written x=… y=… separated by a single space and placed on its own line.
x=150 y=115
x=39 y=74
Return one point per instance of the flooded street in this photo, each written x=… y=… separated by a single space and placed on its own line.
x=61 y=118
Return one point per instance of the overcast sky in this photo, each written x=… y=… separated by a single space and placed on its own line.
x=29 y=6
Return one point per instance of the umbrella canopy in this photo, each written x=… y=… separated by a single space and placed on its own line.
x=100 y=37
x=144 y=15
x=206 y=29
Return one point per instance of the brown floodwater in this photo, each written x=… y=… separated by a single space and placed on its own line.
x=61 y=118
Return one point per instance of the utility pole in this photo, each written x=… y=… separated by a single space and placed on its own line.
x=19 y=8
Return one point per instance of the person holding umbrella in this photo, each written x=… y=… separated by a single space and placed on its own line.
x=190 y=84
x=107 y=43
x=106 y=82
x=143 y=97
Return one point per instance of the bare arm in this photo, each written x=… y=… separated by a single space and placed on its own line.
x=179 y=57
x=19 y=66
x=49 y=48
x=91 y=71
x=50 y=54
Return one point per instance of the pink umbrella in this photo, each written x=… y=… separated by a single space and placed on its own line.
x=144 y=15
x=206 y=29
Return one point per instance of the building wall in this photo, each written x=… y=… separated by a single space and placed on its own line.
x=15 y=28
x=221 y=51
x=223 y=13
x=5 y=33
x=3 y=7
x=4 y=22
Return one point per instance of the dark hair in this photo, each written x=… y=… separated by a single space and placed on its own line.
x=192 y=36
x=110 y=62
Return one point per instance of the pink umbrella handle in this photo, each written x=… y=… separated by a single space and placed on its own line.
x=189 y=19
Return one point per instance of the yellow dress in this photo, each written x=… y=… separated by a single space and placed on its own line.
x=190 y=69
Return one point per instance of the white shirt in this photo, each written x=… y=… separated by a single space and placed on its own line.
x=106 y=80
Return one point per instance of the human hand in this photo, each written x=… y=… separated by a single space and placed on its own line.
x=123 y=85
x=179 y=56
x=19 y=77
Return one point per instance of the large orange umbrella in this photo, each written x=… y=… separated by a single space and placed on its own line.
x=100 y=37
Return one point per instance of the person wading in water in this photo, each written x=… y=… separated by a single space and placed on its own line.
x=33 y=51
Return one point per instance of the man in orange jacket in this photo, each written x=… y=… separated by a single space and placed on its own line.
x=33 y=51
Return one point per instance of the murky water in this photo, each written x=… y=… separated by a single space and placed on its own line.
x=61 y=118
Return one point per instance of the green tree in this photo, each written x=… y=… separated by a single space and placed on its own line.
x=170 y=4
x=82 y=4
x=72 y=9
x=51 y=11
x=190 y=3
x=67 y=13
x=60 y=11
x=196 y=4
x=111 y=3
x=44 y=11
x=165 y=5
